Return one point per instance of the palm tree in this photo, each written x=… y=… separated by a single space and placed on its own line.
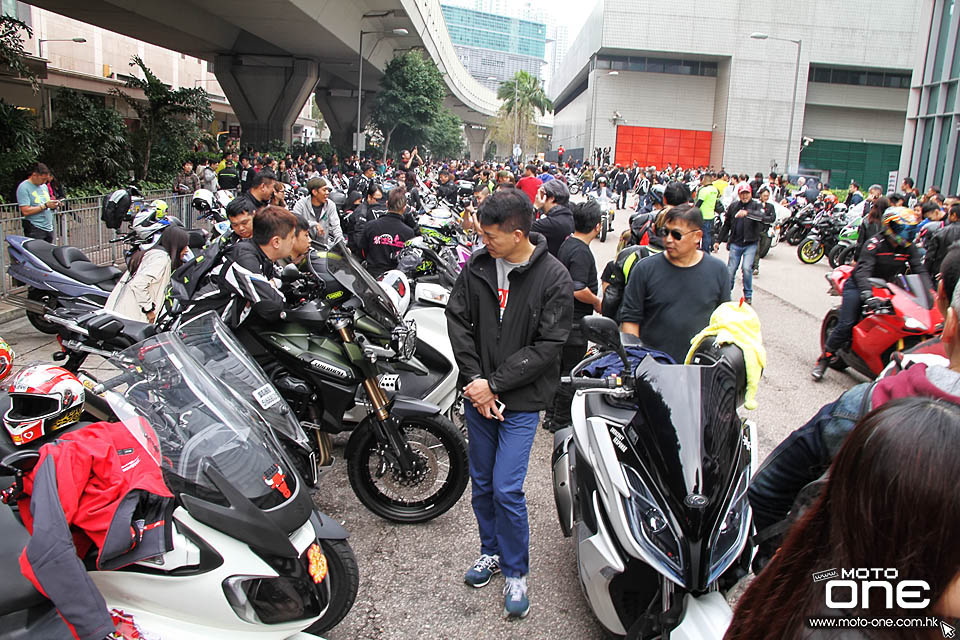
x=522 y=95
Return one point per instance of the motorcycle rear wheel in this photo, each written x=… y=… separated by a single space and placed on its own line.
x=36 y=319
x=438 y=443
x=834 y=255
x=847 y=255
x=829 y=322
x=808 y=254
x=764 y=245
x=344 y=576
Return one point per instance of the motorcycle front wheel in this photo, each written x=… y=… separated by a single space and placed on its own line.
x=603 y=229
x=574 y=188
x=383 y=489
x=344 y=576
x=795 y=236
x=810 y=252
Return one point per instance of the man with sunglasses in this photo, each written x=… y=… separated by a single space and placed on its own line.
x=670 y=296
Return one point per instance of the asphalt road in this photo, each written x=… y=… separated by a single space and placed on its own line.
x=411 y=576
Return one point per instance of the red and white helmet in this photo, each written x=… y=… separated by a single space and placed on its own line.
x=6 y=359
x=43 y=398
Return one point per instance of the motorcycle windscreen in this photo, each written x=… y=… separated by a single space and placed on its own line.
x=223 y=356
x=687 y=435
x=337 y=262
x=199 y=422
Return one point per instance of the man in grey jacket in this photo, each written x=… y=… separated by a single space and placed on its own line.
x=320 y=211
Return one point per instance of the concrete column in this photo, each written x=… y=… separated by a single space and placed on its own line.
x=476 y=141
x=339 y=109
x=266 y=92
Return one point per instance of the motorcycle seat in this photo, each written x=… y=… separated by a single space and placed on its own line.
x=80 y=268
x=69 y=255
x=16 y=592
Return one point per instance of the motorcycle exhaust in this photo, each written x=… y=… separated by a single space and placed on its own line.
x=389 y=382
x=324 y=448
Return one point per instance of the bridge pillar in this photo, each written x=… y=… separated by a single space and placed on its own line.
x=266 y=92
x=477 y=138
x=339 y=109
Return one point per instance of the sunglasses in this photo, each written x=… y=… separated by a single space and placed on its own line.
x=663 y=232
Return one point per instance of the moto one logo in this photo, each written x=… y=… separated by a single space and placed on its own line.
x=856 y=588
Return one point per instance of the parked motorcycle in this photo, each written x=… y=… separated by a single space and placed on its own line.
x=347 y=355
x=57 y=277
x=822 y=238
x=797 y=226
x=905 y=317
x=248 y=552
x=845 y=250
x=651 y=481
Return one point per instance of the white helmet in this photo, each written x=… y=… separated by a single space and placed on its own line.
x=397 y=286
x=149 y=223
x=203 y=200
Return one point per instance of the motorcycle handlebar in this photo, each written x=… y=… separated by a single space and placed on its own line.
x=115 y=382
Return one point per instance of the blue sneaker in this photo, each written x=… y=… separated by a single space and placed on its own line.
x=482 y=570
x=515 y=601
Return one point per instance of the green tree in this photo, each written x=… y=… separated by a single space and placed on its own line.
x=445 y=135
x=523 y=96
x=410 y=97
x=168 y=117
x=12 y=51
x=87 y=141
x=19 y=146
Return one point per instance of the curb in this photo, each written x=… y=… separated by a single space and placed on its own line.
x=9 y=314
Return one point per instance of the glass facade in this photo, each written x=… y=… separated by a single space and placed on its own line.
x=863 y=77
x=481 y=30
x=657 y=65
x=932 y=155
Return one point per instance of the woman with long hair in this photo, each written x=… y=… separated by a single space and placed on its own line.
x=891 y=502
x=140 y=291
x=870 y=225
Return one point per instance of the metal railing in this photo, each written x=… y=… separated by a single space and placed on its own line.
x=78 y=224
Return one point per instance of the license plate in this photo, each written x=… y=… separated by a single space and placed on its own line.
x=266 y=396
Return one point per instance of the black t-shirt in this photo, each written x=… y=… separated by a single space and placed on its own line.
x=578 y=259
x=672 y=304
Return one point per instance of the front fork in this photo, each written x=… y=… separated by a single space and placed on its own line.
x=386 y=427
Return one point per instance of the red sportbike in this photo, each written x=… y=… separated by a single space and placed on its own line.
x=905 y=317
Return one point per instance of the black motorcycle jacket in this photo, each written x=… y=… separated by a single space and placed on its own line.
x=519 y=355
x=745 y=230
x=937 y=246
x=555 y=227
x=882 y=259
x=382 y=240
x=243 y=284
x=448 y=191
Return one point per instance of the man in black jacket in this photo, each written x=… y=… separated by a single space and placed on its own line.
x=382 y=239
x=741 y=231
x=940 y=242
x=508 y=318
x=556 y=223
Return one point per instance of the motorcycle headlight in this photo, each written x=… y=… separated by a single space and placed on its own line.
x=650 y=527
x=403 y=339
x=728 y=540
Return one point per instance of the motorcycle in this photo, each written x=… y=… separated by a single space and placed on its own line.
x=845 y=250
x=905 y=317
x=57 y=277
x=608 y=207
x=822 y=238
x=797 y=226
x=651 y=482
x=573 y=182
x=346 y=356
x=248 y=552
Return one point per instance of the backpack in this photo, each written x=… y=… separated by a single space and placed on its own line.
x=616 y=274
x=185 y=281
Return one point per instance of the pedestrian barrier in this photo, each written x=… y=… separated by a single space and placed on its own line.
x=78 y=224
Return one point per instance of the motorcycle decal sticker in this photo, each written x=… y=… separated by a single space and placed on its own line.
x=276 y=479
x=320 y=365
x=317 y=563
x=266 y=396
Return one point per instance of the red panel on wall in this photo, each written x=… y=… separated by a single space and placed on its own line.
x=658 y=147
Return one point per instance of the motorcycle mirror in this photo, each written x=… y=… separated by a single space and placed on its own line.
x=290 y=274
x=605 y=332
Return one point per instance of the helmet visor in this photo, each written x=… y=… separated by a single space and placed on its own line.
x=29 y=406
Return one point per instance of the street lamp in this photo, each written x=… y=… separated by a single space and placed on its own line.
x=40 y=43
x=396 y=32
x=593 y=113
x=796 y=73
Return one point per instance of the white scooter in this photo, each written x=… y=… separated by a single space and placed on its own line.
x=246 y=559
x=651 y=481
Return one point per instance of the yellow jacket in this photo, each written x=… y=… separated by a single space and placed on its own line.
x=735 y=323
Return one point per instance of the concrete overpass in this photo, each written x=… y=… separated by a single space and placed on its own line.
x=268 y=55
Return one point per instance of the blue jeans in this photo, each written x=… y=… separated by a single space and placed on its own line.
x=850 y=306
x=587 y=185
x=499 y=453
x=742 y=253
x=706 y=244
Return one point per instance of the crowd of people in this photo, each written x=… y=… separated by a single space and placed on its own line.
x=515 y=317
